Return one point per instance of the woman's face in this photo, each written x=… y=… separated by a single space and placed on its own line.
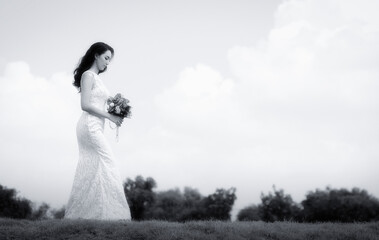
x=103 y=60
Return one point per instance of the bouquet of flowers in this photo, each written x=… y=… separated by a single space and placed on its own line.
x=118 y=105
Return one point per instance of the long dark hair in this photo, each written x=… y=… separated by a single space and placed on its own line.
x=87 y=60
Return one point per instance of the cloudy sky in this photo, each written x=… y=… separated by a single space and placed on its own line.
x=245 y=94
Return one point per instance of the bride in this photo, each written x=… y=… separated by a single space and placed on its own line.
x=97 y=191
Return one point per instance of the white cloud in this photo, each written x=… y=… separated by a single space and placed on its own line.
x=201 y=96
x=301 y=106
x=38 y=138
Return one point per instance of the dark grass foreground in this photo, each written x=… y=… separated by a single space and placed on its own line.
x=202 y=230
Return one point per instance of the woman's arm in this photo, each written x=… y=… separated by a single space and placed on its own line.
x=86 y=84
x=85 y=87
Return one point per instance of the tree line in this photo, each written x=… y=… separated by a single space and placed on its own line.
x=174 y=205
x=329 y=205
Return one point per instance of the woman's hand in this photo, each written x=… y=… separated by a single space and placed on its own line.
x=116 y=119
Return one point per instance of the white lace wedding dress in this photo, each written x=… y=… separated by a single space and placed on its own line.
x=97 y=191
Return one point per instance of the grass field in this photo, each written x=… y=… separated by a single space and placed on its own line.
x=202 y=230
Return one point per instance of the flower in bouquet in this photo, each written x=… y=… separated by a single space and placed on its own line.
x=118 y=105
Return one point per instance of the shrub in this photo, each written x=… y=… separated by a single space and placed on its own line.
x=13 y=207
x=278 y=207
x=340 y=205
x=139 y=195
x=250 y=213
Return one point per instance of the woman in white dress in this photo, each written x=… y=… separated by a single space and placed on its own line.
x=97 y=191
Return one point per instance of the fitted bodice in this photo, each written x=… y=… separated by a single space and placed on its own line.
x=98 y=98
x=99 y=93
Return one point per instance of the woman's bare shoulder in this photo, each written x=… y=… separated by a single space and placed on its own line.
x=87 y=79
